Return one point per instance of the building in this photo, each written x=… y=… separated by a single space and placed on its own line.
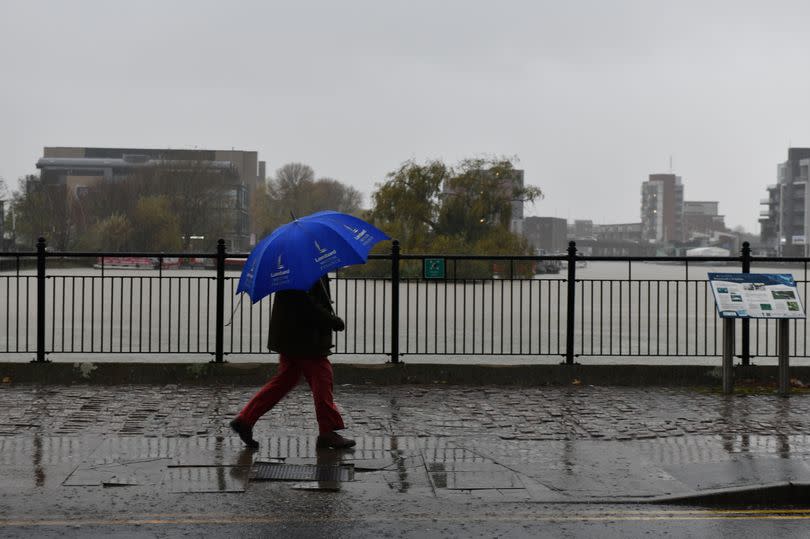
x=509 y=184
x=81 y=168
x=662 y=209
x=701 y=220
x=620 y=239
x=582 y=229
x=546 y=233
x=785 y=222
x=620 y=232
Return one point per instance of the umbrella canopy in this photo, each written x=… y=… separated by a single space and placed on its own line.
x=297 y=254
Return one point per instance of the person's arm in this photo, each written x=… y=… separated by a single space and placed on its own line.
x=320 y=307
x=322 y=315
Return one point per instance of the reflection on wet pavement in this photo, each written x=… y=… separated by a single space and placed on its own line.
x=506 y=444
x=134 y=472
x=206 y=478
x=424 y=466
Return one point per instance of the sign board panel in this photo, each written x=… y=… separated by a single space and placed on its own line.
x=798 y=240
x=756 y=295
x=434 y=268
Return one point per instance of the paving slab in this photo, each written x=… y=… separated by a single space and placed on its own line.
x=66 y=450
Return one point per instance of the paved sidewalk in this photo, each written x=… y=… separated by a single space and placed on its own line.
x=87 y=450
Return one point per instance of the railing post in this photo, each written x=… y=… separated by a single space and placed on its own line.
x=219 y=353
x=570 y=318
x=40 y=358
x=395 y=301
x=746 y=323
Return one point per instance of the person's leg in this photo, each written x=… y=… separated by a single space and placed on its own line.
x=319 y=375
x=287 y=376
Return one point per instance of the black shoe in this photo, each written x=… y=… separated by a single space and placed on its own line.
x=245 y=433
x=334 y=440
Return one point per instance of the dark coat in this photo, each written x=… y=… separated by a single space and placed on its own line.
x=302 y=323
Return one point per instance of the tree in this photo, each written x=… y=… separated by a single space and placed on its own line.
x=292 y=176
x=434 y=205
x=199 y=193
x=328 y=193
x=294 y=190
x=263 y=211
x=41 y=210
x=479 y=197
x=407 y=205
x=289 y=192
x=155 y=225
x=101 y=201
x=111 y=234
x=189 y=198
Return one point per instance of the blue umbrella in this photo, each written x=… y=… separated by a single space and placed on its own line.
x=299 y=253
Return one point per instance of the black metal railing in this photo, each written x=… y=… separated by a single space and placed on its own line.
x=63 y=303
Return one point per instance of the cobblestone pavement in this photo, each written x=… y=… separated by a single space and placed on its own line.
x=420 y=448
x=548 y=413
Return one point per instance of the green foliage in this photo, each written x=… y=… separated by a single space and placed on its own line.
x=198 y=194
x=463 y=210
x=434 y=208
x=407 y=205
x=40 y=211
x=109 y=234
x=156 y=226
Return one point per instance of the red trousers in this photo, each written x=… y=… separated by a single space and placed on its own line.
x=317 y=371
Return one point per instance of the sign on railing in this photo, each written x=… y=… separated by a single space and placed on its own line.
x=756 y=295
x=433 y=268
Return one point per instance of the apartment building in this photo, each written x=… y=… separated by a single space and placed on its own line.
x=662 y=209
x=701 y=219
x=785 y=218
x=80 y=168
x=549 y=234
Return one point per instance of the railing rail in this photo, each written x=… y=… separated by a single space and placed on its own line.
x=492 y=305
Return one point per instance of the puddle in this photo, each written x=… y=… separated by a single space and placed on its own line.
x=482 y=480
x=139 y=472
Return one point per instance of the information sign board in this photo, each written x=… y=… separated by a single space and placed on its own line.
x=756 y=295
x=434 y=268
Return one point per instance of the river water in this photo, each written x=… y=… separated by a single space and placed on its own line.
x=625 y=313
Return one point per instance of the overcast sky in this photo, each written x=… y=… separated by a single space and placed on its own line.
x=591 y=96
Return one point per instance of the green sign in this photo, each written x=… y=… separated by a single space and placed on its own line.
x=434 y=268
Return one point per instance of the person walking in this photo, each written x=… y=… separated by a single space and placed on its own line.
x=301 y=327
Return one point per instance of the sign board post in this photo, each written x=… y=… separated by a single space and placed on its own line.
x=728 y=355
x=756 y=295
x=784 y=339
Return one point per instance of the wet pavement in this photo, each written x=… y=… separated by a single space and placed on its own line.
x=89 y=456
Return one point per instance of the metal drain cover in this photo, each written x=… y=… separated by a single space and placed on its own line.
x=276 y=471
